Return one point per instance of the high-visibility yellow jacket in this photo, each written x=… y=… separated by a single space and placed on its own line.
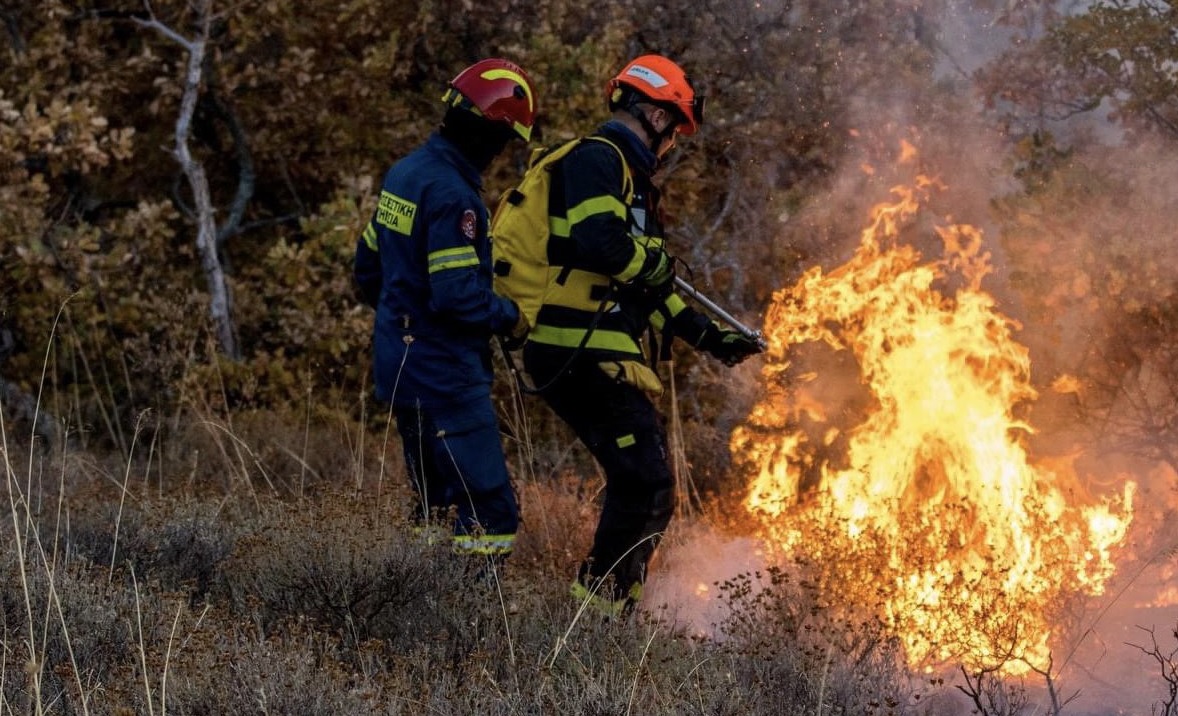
x=602 y=248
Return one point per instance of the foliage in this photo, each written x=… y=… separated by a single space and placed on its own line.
x=301 y=109
x=1119 y=53
x=1088 y=249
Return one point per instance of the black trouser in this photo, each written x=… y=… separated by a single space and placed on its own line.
x=626 y=435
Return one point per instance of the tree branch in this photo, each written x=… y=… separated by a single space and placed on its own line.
x=151 y=23
x=246 y=175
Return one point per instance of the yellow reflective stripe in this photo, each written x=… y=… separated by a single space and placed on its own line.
x=611 y=608
x=650 y=242
x=559 y=226
x=484 y=544
x=627 y=440
x=596 y=602
x=515 y=77
x=506 y=74
x=395 y=213
x=599 y=339
x=460 y=257
x=635 y=265
x=369 y=236
x=596 y=205
x=454 y=98
x=675 y=304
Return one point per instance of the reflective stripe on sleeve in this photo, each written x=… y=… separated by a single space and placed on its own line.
x=675 y=304
x=596 y=205
x=636 y=262
x=460 y=257
x=369 y=236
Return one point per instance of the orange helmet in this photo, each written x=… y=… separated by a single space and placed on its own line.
x=496 y=89
x=663 y=82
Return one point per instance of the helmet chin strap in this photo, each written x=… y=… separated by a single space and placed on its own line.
x=656 y=137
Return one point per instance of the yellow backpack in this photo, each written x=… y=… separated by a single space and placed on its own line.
x=519 y=230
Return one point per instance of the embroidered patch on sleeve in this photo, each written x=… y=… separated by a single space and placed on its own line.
x=469 y=224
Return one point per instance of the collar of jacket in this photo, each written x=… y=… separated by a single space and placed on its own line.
x=449 y=152
x=641 y=158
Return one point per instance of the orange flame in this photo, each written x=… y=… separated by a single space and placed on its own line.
x=928 y=510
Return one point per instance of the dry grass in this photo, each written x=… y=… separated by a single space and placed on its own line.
x=220 y=573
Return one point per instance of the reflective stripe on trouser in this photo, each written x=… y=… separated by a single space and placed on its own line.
x=592 y=599
x=624 y=432
x=489 y=545
x=495 y=544
x=466 y=471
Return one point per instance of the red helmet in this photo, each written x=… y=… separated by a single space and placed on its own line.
x=662 y=82
x=498 y=90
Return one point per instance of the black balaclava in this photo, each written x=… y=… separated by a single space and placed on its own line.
x=630 y=100
x=479 y=139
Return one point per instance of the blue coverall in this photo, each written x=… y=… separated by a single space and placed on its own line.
x=424 y=262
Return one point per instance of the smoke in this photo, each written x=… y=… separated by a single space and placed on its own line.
x=1104 y=655
x=1092 y=244
x=690 y=568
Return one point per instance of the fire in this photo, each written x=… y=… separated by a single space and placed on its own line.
x=928 y=509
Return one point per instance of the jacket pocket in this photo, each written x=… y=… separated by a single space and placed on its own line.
x=634 y=373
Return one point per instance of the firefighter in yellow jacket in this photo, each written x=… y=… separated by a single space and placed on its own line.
x=613 y=283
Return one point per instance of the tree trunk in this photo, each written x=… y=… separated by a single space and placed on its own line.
x=220 y=297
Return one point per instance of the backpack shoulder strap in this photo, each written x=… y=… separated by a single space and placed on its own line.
x=627 y=178
x=542 y=158
x=547 y=156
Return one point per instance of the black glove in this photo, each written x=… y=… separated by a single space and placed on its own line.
x=730 y=347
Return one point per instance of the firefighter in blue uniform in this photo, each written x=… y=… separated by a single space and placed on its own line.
x=614 y=285
x=424 y=263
